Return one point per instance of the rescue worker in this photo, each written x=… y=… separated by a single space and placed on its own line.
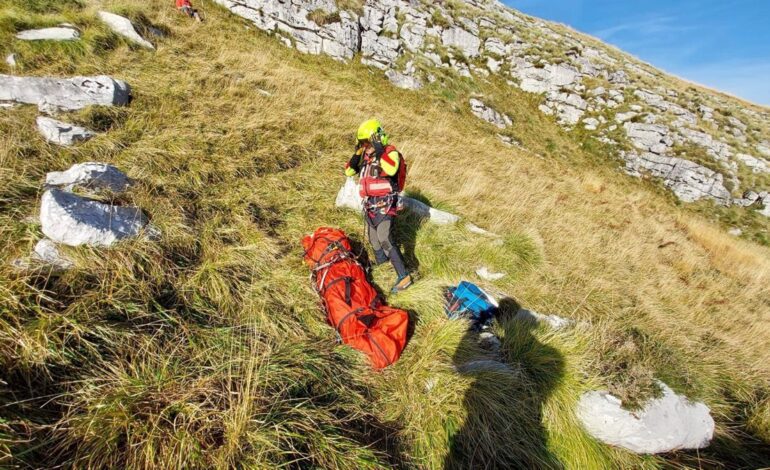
x=186 y=7
x=382 y=175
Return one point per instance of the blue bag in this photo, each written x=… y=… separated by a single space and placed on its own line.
x=468 y=300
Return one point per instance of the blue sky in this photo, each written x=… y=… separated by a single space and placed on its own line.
x=722 y=44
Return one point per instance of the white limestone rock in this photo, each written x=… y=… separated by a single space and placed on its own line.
x=482 y=111
x=90 y=176
x=72 y=220
x=664 y=424
x=49 y=34
x=61 y=133
x=688 y=180
x=591 y=124
x=466 y=42
x=764 y=149
x=65 y=93
x=46 y=252
x=436 y=216
x=400 y=80
x=10 y=59
x=122 y=26
x=757 y=165
x=484 y=273
x=620 y=118
x=654 y=138
x=554 y=321
x=379 y=51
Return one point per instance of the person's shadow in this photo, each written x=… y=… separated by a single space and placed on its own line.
x=510 y=434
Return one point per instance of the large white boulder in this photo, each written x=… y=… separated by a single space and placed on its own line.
x=91 y=176
x=61 y=133
x=73 y=220
x=49 y=34
x=664 y=424
x=122 y=26
x=65 y=93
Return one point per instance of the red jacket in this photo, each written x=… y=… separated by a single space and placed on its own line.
x=183 y=3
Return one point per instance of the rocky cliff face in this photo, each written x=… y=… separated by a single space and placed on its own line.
x=702 y=145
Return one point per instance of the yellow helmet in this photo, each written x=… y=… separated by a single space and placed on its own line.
x=369 y=128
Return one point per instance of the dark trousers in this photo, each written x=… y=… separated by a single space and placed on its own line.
x=380 y=232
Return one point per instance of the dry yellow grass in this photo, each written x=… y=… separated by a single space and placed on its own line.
x=233 y=178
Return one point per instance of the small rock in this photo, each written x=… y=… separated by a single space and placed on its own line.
x=665 y=424
x=73 y=220
x=10 y=59
x=123 y=27
x=482 y=111
x=91 y=176
x=591 y=124
x=61 y=133
x=401 y=80
x=620 y=118
x=484 y=273
x=49 y=34
x=735 y=231
x=554 y=321
x=47 y=252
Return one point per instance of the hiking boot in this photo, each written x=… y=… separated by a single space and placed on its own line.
x=402 y=284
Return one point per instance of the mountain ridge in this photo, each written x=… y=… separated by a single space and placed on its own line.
x=410 y=40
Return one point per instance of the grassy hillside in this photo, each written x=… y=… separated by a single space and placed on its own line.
x=208 y=348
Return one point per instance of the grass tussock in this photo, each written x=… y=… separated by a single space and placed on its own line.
x=208 y=348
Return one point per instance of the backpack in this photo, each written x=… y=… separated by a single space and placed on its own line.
x=469 y=301
x=379 y=186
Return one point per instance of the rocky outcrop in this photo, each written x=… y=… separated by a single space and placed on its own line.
x=74 y=220
x=484 y=37
x=61 y=133
x=338 y=35
x=468 y=43
x=665 y=424
x=122 y=26
x=688 y=180
x=64 y=93
x=49 y=34
x=482 y=111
